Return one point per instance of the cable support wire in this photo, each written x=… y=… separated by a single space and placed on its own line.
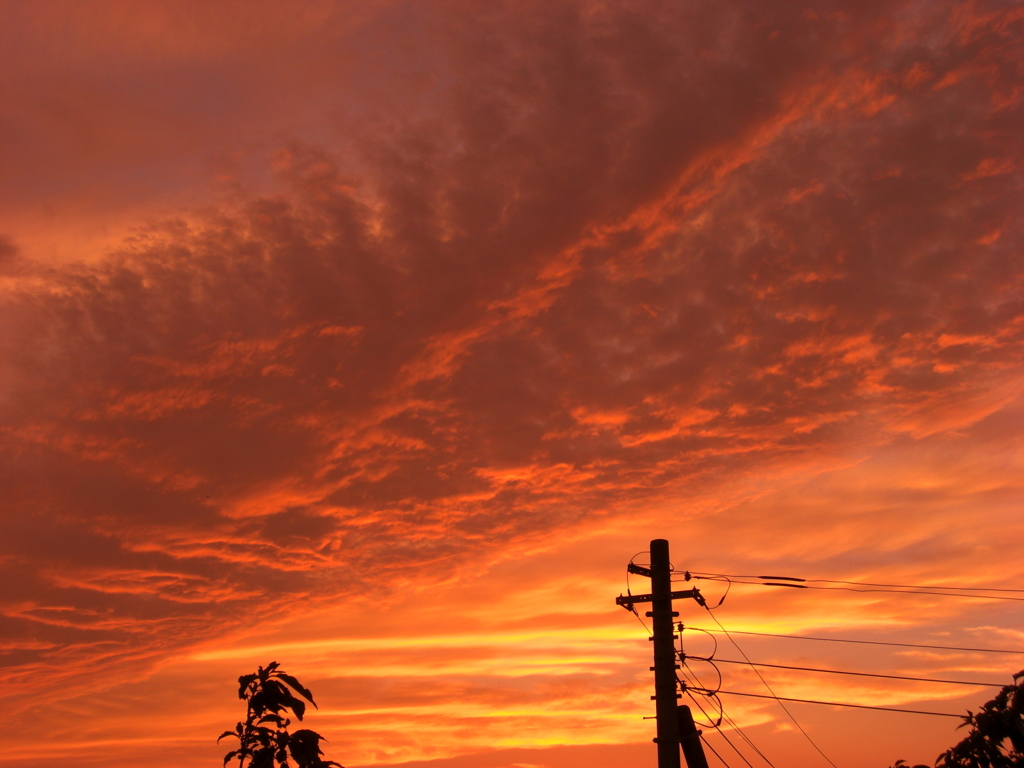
x=777 y=699
x=688 y=672
x=861 y=642
x=714 y=639
x=721 y=713
x=858 y=674
x=712 y=661
x=721 y=716
x=703 y=690
x=795 y=583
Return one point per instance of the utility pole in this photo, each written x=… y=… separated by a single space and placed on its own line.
x=665 y=666
x=664 y=655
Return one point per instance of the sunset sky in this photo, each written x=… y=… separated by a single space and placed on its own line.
x=375 y=338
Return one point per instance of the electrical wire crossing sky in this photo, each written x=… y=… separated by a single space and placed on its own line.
x=374 y=338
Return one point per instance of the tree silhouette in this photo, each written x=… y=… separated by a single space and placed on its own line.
x=263 y=739
x=996 y=739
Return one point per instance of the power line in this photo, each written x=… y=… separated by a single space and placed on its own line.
x=687 y=672
x=722 y=716
x=732 y=724
x=765 y=682
x=916 y=586
x=789 y=581
x=862 y=674
x=864 y=642
x=841 y=704
x=715 y=751
x=887 y=591
x=685 y=685
x=860 y=583
x=720 y=732
x=668 y=680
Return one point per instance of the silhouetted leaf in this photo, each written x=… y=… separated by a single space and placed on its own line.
x=275 y=695
x=278 y=696
x=297 y=686
x=257 y=703
x=243 y=683
x=305 y=747
x=226 y=733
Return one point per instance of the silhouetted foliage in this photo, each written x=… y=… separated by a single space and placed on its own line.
x=263 y=739
x=996 y=739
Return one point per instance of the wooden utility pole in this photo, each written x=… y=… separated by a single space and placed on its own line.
x=669 y=715
x=665 y=665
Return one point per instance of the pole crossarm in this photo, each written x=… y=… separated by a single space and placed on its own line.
x=626 y=601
